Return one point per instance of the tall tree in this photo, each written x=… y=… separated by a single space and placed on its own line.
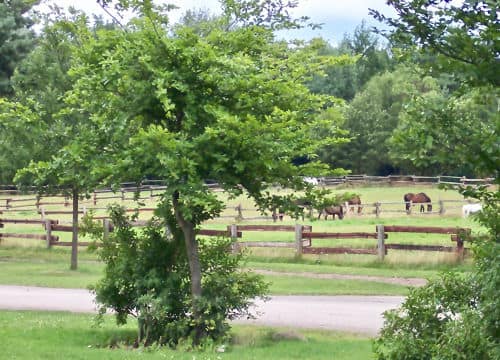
x=370 y=57
x=439 y=134
x=372 y=117
x=229 y=105
x=464 y=35
x=63 y=149
x=17 y=38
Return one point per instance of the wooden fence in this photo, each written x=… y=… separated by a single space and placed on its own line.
x=51 y=207
x=159 y=185
x=402 y=180
x=303 y=243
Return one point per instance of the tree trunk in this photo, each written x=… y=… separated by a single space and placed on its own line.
x=74 y=239
x=188 y=230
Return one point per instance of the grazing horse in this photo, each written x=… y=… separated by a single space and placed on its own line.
x=470 y=209
x=419 y=198
x=355 y=200
x=302 y=203
x=332 y=210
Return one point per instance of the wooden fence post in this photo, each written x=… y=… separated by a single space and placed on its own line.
x=95 y=198
x=381 y=242
x=239 y=215
x=441 y=207
x=48 y=232
x=298 y=240
x=347 y=209
x=460 y=246
x=377 y=209
x=234 y=238
x=42 y=213
x=107 y=229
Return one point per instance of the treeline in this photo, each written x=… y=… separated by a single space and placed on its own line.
x=402 y=114
x=395 y=111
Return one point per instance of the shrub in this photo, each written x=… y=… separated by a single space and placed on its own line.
x=147 y=276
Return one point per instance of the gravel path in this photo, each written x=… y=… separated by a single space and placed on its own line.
x=357 y=314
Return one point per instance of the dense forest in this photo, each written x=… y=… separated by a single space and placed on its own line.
x=392 y=108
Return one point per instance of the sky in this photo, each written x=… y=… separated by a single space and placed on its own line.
x=337 y=17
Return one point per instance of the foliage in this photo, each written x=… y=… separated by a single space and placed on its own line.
x=455 y=135
x=16 y=38
x=465 y=39
x=15 y=118
x=227 y=103
x=372 y=117
x=147 y=276
x=423 y=328
x=40 y=83
x=369 y=58
x=462 y=35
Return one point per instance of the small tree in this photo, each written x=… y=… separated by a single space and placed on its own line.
x=228 y=104
x=147 y=276
x=70 y=172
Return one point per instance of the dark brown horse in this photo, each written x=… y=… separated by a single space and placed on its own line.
x=332 y=210
x=302 y=203
x=420 y=198
x=355 y=200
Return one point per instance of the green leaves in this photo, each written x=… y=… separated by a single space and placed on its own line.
x=463 y=36
x=452 y=135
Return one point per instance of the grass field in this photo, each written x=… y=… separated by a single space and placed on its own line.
x=26 y=262
x=45 y=335
x=49 y=268
x=34 y=335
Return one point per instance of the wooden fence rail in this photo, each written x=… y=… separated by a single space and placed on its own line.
x=304 y=236
x=458 y=235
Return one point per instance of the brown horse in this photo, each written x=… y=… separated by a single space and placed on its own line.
x=419 y=198
x=302 y=203
x=355 y=200
x=332 y=210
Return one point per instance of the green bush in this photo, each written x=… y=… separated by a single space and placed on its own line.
x=453 y=317
x=415 y=330
x=147 y=276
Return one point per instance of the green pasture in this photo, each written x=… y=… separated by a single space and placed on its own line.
x=50 y=268
x=28 y=262
x=59 y=335
x=369 y=195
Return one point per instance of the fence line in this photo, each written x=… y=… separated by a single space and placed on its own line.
x=304 y=236
x=153 y=185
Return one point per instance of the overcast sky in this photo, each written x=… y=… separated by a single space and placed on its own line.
x=337 y=16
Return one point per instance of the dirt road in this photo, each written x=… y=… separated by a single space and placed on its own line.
x=357 y=314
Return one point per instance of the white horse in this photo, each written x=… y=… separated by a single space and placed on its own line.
x=469 y=209
x=311 y=180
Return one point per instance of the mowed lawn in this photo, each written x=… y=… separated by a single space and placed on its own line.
x=46 y=335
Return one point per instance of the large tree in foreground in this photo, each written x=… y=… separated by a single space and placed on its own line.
x=228 y=104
